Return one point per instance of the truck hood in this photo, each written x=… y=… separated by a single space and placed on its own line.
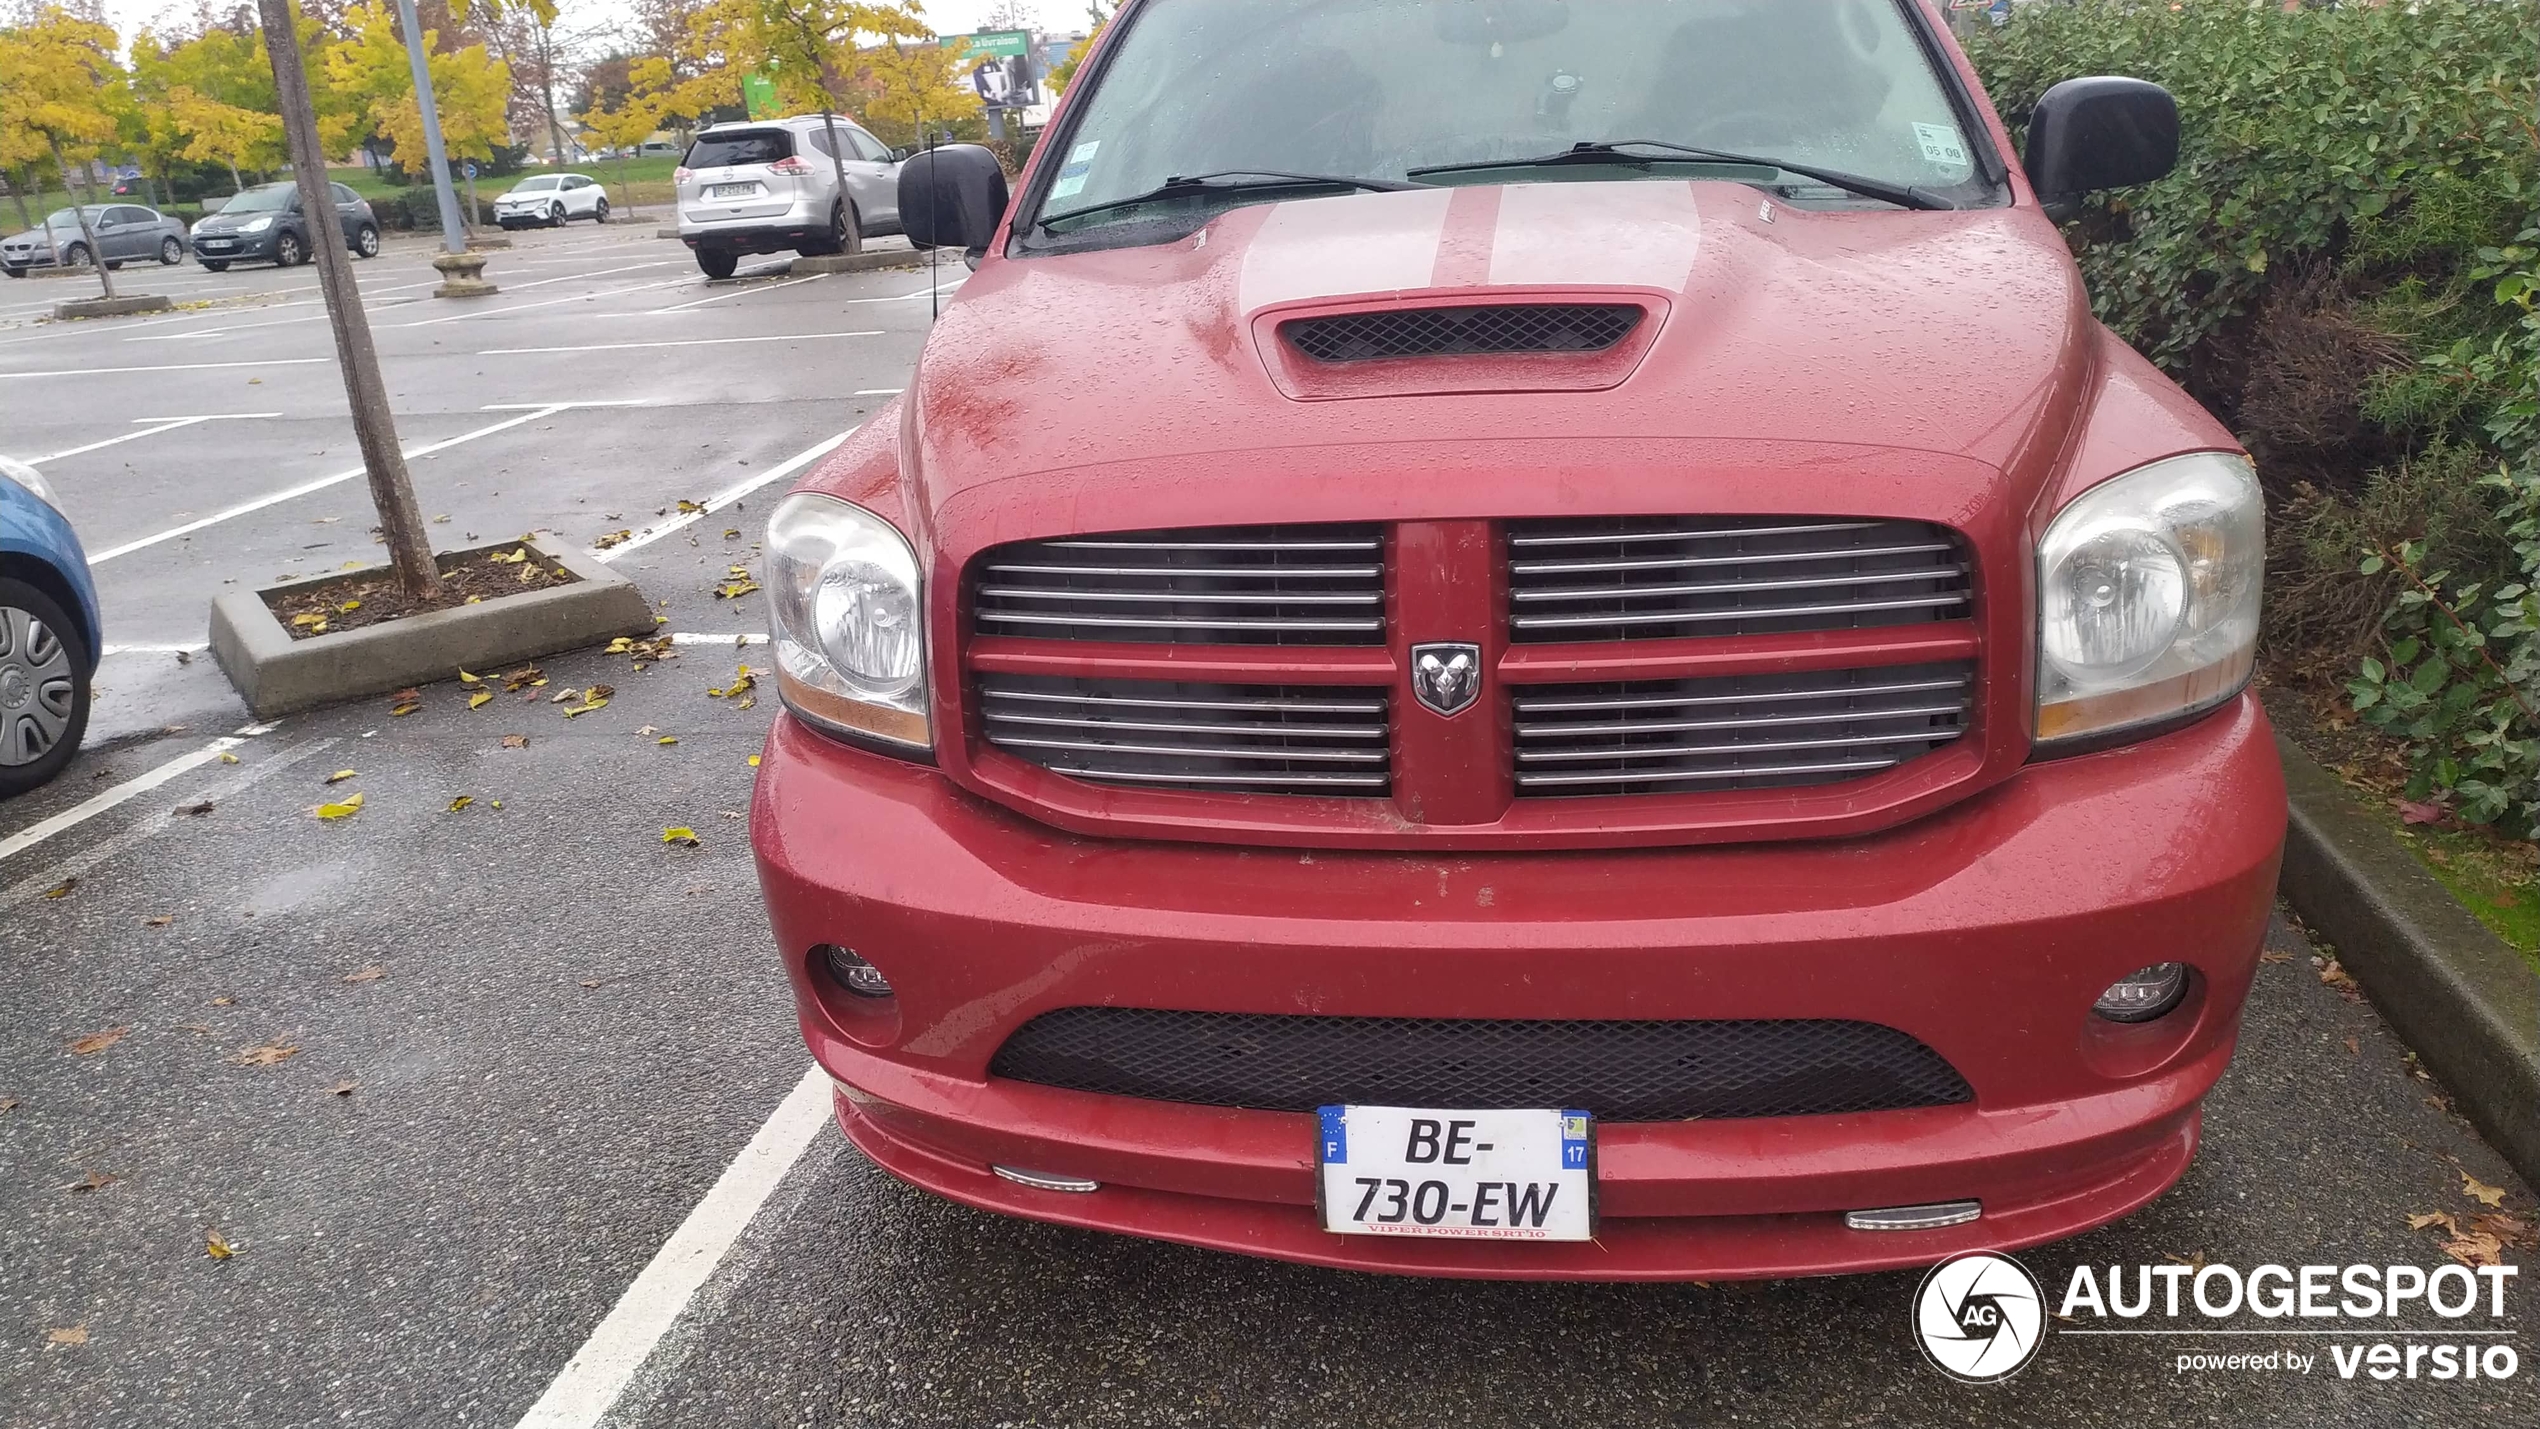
x=1052 y=384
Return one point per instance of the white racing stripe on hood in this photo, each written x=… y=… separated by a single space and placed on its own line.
x=1641 y=235
x=1337 y=247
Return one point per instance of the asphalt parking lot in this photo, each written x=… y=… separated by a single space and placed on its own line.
x=447 y=1083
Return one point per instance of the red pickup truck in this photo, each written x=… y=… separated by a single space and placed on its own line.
x=1534 y=639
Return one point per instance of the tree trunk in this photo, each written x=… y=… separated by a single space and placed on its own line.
x=374 y=428
x=838 y=165
x=35 y=173
x=88 y=235
x=17 y=195
x=547 y=89
x=237 y=185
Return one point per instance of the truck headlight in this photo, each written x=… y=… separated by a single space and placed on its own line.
x=2147 y=606
x=849 y=626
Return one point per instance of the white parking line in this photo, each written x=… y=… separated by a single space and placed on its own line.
x=879 y=391
x=152 y=825
x=304 y=488
x=691 y=637
x=736 y=292
x=600 y=1371
x=547 y=303
x=911 y=297
x=165 y=367
x=78 y=814
x=219 y=331
x=163 y=424
x=723 y=498
x=618 y=346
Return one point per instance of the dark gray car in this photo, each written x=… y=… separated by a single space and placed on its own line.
x=124 y=232
x=265 y=225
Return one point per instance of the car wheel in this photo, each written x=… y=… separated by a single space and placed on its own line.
x=215 y=265
x=43 y=688
x=601 y=213
x=114 y=265
x=75 y=256
x=717 y=265
x=286 y=250
x=171 y=252
x=555 y=214
x=366 y=241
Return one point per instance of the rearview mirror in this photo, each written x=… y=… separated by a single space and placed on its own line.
x=2103 y=132
x=952 y=197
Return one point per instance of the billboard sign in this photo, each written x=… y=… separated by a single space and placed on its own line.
x=999 y=64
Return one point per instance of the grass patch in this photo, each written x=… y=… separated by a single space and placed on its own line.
x=2497 y=880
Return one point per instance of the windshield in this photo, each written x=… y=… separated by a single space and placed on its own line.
x=267 y=198
x=1375 y=89
x=533 y=186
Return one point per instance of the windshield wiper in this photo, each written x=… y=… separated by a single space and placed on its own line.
x=1612 y=151
x=1223 y=181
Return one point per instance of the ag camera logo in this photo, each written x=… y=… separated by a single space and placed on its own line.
x=1979 y=1318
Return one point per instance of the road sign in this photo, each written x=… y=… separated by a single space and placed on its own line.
x=1002 y=44
x=471 y=168
x=758 y=95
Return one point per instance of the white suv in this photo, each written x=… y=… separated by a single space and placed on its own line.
x=770 y=185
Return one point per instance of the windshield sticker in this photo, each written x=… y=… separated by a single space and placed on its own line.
x=1941 y=145
x=1071 y=177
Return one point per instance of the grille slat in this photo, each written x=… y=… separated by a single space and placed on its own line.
x=1657 y=577
x=1225 y=738
x=1463 y=331
x=1241 y=585
x=1635 y=1071
x=1780 y=730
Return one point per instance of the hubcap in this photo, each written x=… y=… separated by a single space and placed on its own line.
x=36 y=689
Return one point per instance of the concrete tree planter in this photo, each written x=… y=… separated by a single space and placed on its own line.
x=277 y=674
x=111 y=307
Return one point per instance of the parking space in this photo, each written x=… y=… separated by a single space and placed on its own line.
x=442 y=1080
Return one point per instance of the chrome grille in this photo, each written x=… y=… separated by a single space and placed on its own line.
x=1250 y=585
x=1228 y=739
x=1735 y=731
x=1647 y=578
x=1442 y=332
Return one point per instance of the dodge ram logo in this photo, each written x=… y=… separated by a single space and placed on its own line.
x=1446 y=676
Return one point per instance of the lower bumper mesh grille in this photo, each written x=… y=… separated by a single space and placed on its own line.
x=1621 y=1071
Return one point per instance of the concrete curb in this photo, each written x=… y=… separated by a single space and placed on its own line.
x=2468 y=1005
x=665 y=233
x=871 y=260
x=276 y=674
x=111 y=307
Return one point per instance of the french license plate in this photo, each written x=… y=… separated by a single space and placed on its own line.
x=216 y=245
x=1478 y=1175
x=730 y=190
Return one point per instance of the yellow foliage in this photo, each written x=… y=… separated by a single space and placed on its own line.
x=58 y=78
x=469 y=87
x=916 y=84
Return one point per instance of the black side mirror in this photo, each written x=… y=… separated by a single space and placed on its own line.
x=952 y=197
x=900 y=154
x=2103 y=132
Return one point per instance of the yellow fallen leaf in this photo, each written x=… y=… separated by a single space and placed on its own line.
x=96 y=1042
x=618 y=646
x=75 y=1335
x=667 y=739
x=461 y=802
x=585 y=709
x=480 y=699
x=2475 y=1249
x=753 y=761
x=219 y=1247
x=62 y=889
x=682 y=836
x=346 y=809
x=373 y=973
x=229 y=759
x=2479 y=1191
x=308 y=619
x=689 y=508
x=494 y=804
x=270 y=1054
x=340 y=775
x=348 y=607
x=161 y=921
x=404 y=710
x=2420 y=1220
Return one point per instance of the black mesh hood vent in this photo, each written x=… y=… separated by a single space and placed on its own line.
x=1443 y=332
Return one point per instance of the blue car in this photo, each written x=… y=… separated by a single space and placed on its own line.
x=50 y=634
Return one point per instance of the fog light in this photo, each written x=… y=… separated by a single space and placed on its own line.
x=853 y=973
x=2144 y=994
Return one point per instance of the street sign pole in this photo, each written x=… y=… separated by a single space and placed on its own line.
x=453 y=230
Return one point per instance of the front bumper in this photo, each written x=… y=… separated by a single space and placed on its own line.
x=1984 y=930
x=233 y=247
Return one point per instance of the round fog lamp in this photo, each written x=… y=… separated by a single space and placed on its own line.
x=2140 y=995
x=853 y=973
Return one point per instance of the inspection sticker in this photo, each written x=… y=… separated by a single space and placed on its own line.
x=1941 y=144
x=1071 y=177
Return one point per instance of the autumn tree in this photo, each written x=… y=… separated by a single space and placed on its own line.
x=909 y=85
x=622 y=117
x=59 y=87
x=471 y=88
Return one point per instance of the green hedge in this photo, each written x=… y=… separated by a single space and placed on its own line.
x=2297 y=128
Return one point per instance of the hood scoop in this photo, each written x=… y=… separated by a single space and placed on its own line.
x=1489 y=329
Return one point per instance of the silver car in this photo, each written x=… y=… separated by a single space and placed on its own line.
x=770 y=185
x=125 y=233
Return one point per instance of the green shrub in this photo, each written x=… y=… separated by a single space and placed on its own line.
x=2302 y=133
